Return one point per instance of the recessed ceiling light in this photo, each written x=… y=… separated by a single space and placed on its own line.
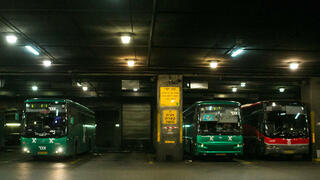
x=131 y=63
x=234 y=89
x=213 y=64
x=46 y=63
x=32 y=50
x=294 y=65
x=282 y=89
x=125 y=39
x=85 y=88
x=243 y=84
x=236 y=52
x=11 y=39
x=34 y=88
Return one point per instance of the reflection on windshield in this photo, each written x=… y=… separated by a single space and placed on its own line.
x=219 y=119
x=280 y=124
x=45 y=124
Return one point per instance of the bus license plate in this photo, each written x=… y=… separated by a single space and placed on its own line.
x=220 y=154
x=289 y=152
x=42 y=152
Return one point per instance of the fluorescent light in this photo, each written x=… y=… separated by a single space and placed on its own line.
x=125 y=39
x=234 y=89
x=294 y=65
x=34 y=88
x=85 y=88
x=213 y=64
x=243 y=84
x=32 y=50
x=135 y=89
x=13 y=124
x=297 y=116
x=79 y=84
x=282 y=90
x=11 y=39
x=117 y=125
x=46 y=63
x=236 y=52
x=131 y=63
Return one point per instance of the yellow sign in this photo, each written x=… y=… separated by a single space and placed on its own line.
x=169 y=96
x=169 y=142
x=169 y=116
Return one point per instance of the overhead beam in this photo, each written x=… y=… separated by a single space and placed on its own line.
x=152 y=27
x=14 y=28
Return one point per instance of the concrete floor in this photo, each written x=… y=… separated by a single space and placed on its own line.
x=140 y=166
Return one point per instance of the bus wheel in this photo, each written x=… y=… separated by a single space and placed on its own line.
x=90 y=146
x=307 y=157
x=75 y=151
x=35 y=158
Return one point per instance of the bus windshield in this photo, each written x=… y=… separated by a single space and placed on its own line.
x=283 y=124
x=219 y=119
x=45 y=124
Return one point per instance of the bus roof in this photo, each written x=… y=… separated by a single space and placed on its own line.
x=296 y=103
x=225 y=102
x=218 y=102
x=58 y=100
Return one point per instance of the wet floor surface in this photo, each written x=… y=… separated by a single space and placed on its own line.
x=142 y=166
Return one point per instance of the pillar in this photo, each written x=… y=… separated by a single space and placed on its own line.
x=310 y=95
x=169 y=118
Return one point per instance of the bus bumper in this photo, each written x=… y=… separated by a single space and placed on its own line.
x=226 y=150
x=286 y=149
x=44 y=146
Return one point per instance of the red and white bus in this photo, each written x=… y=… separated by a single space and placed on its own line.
x=275 y=127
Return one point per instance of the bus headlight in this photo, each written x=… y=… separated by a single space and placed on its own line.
x=59 y=150
x=25 y=150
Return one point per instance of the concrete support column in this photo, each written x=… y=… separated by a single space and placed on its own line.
x=169 y=118
x=310 y=95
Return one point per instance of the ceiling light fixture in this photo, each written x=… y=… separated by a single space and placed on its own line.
x=237 y=52
x=125 y=39
x=135 y=89
x=131 y=63
x=294 y=65
x=282 y=89
x=11 y=39
x=213 y=64
x=46 y=63
x=34 y=88
x=85 y=88
x=79 y=84
x=234 y=89
x=32 y=50
x=243 y=84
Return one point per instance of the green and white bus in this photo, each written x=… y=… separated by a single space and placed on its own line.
x=57 y=127
x=213 y=128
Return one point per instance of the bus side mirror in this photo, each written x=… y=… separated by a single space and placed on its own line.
x=72 y=120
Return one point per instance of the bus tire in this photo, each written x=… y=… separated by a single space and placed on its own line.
x=90 y=146
x=75 y=150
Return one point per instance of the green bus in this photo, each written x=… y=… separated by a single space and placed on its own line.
x=213 y=128
x=57 y=127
